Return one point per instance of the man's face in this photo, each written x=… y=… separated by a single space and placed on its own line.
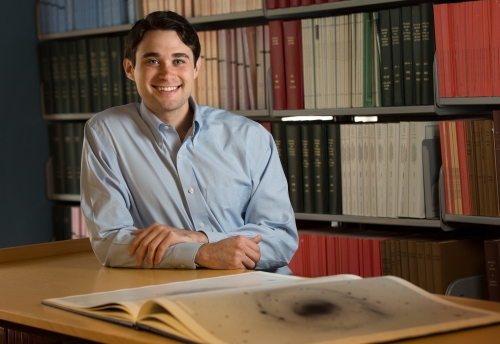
x=164 y=72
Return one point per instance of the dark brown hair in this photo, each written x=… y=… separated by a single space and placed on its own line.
x=166 y=21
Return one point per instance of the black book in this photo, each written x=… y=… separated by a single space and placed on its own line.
x=320 y=168
x=408 y=82
x=46 y=77
x=386 y=73
x=334 y=169
x=84 y=76
x=428 y=50
x=294 y=166
x=417 y=54
x=104 y=72
x=306 y=140
x=74 y=82
x=279 y=135
x=116 y=71
x=95 y=84
x=397 y=55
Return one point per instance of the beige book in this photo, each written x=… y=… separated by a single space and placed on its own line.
x=366 y=170
x=234 y=69
x=214 y=81
x=249 y=51
x=201 y=80
x=224 y=70
x=243 y=97
x=403 y=169
x=260 y=71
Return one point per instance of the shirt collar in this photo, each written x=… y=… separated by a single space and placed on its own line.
x=155 y=125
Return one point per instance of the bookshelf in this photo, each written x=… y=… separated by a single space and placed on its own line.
x=441 y=108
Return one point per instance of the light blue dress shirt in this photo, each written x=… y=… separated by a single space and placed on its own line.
x=225 y=179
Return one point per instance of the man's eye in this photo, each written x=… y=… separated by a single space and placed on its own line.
x=153 y=62
x=178 y=61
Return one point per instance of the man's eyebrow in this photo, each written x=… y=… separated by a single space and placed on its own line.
x=175 y=55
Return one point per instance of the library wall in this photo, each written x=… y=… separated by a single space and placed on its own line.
x=25 y=211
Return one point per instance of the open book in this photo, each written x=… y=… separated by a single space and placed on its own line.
x=260 y=307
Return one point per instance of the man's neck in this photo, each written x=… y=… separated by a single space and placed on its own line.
x=181 y=121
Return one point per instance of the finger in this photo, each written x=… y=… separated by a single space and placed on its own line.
x=256 y=239
x=137 y=231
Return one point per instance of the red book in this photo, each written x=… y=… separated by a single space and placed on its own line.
x=270 y=4
x=495 y=46
x=283 y=3
x=292 y=40
x=486 y=43
x=458 y=55
x=332 y=251
x=295 y=3
x=306 y=2
x=469 y=52
x=296 y=264
x=353 y=254
x=320 y=1
x=439 y=50
x=463 y=167
x=367 y=256
x=446 y=166
x=266 y=125
x=277 y=65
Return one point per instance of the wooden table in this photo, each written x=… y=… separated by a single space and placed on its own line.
x=29 y=274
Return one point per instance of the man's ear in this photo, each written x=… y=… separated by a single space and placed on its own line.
x=129 y=69
x=197 y=68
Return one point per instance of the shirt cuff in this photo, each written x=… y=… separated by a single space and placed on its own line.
x=181 y=256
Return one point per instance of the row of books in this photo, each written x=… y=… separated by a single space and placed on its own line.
x=470 y=165
x=431 y=262
x=68 y=222
x=468 y=48
x=200 y=8
x=374 y=59
x=383 y=167
x=69 y=15
x=84 y=75
x=273 y=4
x=233 y=68
x=66 y=143
x=13 y=336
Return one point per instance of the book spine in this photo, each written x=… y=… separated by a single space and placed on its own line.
x=277 y=65
x=46 y=77
x=428 y=50
x=386 y=73
x=397 y=56
x=293 y=167
x=292 y=45
x=491 y=171
x=491 y=254
x=320 y=184
x=417 y=54
x=278 y=132
x=335 y=171
x=381 y=168
x=116 y=71
x=307 y=168
x=408 y=74
x=471 y=165
x=496 y=144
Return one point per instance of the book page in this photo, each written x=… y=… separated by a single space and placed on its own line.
x=319 y=311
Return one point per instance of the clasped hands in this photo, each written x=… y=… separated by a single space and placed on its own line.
x=236 y=252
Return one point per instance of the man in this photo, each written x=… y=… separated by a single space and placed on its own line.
x=171 y=184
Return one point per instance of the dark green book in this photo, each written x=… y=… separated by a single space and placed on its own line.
x=56 y=136
x=294 y=166
x=334 y=169
x=428 y=50
x=408 y=82
x=78 y=144
x=74 y=82
x=64 y=77
x=386 y=73
x=95 y=84
x=279 y=135
x=417 y=54
x=84 y=76
x=46 y=77
x=55 y=58
x=397 y=55
x=320 y=169
x=61 y=221
x=69 y=158
x=306 y=140
x=104 y=73
x=367 y=60
x=117 y=74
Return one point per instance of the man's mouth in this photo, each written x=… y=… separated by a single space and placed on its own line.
x=167 y=89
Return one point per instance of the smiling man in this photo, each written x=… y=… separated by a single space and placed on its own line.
x=169 y=183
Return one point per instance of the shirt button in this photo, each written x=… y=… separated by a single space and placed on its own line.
x=166 y=126
x=202 y=225
x=183 y=266
x=160 y=143
x=191 y=190
x=179 y=156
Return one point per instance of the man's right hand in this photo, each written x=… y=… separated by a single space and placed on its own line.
x=236 y=252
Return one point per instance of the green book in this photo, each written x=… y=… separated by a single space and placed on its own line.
x=78 y=146
x=84 y=76
x=95 y=84
x=294 y=166
x=386 y=72
x=334 y=169
x=46 y=77
x=306 y=140
x=279 y=136
x=320 y=180
x=69 y=158
x=64 y=77
x=397 y=55
x=428 y=50
x=61 y=222
x=55 y=58
x=367 y=61
x=104 y=73
x=116 y=71
x=408 y=82
x=74 y=82
x=417 y=54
